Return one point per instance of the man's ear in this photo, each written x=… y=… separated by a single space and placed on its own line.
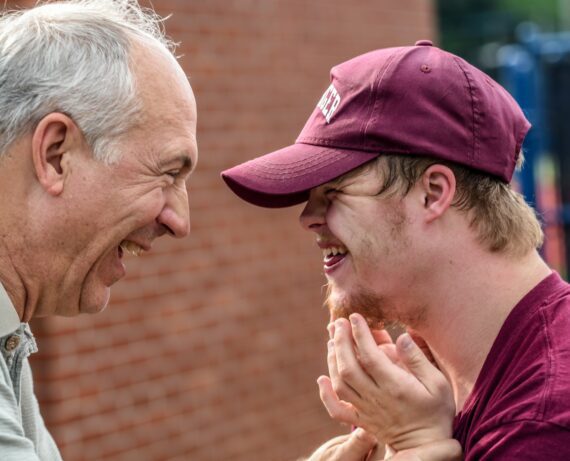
x=55 y=136
x=438 y=189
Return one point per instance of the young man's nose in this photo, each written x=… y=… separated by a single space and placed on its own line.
x=313 y=215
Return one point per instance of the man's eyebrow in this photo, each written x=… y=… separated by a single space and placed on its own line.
x=183 y=159
x=340 y=181
x=335 y=182
x=352 y=175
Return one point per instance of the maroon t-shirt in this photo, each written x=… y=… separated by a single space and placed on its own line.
x=519 y=408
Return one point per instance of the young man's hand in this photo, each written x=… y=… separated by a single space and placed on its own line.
x=442 y=450
x=392 y=391
x=361 y=446
x=356 y=446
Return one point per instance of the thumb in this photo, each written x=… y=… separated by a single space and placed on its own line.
x=418 y=364
x=357 y=446
x=421 y=344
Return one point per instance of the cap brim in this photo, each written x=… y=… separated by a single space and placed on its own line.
x=284 y=178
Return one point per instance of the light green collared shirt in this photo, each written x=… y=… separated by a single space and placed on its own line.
x=23 y=435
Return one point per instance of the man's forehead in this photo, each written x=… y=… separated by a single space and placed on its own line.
x=362 y=174
x=355 y=174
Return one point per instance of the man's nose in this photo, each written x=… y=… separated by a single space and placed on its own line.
x=175 y=216
x=313 y=215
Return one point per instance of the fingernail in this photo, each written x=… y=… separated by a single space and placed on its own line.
x=406 y=341
x=330 y=344
x=353 y=319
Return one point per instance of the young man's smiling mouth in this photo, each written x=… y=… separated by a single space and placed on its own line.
x=333 y=255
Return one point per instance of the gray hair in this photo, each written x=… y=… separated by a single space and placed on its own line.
x=73 y=57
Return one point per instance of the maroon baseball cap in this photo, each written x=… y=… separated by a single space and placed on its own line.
x=415 y=100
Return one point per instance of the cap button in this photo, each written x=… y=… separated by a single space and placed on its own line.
x=424 y=43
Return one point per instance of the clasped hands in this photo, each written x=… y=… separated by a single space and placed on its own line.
x=392 y=392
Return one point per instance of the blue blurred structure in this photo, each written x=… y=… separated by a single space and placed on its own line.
x=536 y=71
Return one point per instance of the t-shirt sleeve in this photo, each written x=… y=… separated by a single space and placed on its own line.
x=528 y=440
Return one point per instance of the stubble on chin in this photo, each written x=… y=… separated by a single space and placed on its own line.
x=369 y=305
x=376 y=310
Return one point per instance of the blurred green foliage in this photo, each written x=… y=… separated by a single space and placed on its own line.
x=466 y=25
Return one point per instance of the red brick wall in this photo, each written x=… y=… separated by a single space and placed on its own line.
x=211 y=346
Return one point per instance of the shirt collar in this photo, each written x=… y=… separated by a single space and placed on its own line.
x=9 y=318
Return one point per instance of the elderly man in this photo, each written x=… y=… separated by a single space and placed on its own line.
x=97 y=138
x=405 y=166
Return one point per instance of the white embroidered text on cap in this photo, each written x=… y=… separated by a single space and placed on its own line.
x=329 y=102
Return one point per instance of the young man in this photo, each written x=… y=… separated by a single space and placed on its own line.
x=405 y=166
x=98 y=134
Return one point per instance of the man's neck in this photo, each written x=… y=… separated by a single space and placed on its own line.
x=8 y=279
x=467 y=314
x=18 y=252
x=16 y=283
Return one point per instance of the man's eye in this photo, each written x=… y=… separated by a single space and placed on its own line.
x=174 y=173
x=331 y=191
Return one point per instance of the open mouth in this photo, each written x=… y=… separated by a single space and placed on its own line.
x=130 y=248
x=332 y=256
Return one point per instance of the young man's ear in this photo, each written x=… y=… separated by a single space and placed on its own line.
x=55 y=135
x=438 y=188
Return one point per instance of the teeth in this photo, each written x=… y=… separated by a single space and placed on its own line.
x=131 y=248
x=333 y=251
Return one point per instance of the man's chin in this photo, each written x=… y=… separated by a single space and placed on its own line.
x=361 y=301
x=94 y=301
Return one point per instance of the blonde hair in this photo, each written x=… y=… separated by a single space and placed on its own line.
x=503 y=221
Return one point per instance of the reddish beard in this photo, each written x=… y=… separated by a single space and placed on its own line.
x=378 y=312
x=362 y=302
